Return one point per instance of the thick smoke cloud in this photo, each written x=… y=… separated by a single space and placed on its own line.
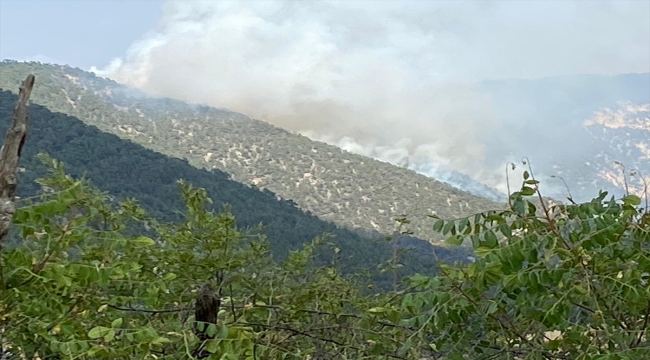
x=387 y=79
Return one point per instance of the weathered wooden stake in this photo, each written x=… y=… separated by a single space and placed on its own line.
x=10 y=154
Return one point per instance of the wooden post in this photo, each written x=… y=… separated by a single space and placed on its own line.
x=10 y=154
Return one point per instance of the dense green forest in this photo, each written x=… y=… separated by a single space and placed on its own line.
x=348 y=189
x=128 y=170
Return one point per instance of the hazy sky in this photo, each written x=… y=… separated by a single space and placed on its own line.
x=390 y=78
x=87 y=33
x=80 y=33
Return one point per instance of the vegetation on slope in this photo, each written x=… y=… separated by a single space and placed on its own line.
x=348 y=189
x=572 y=284
x=127 y=170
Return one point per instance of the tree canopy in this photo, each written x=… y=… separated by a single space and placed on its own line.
x=559 y=282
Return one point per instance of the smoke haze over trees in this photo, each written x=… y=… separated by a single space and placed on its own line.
x=394 y=80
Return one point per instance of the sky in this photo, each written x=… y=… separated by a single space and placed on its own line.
x=388 y=79
x=87 y=33
x=80 y=33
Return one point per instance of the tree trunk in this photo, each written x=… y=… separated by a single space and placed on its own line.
x=10 y=154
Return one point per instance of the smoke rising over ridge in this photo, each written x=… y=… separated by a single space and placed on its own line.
x=392 y=80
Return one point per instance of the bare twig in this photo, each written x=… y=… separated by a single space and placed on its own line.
x=570 y=197
x=509 y=164
x=644 y=328
x=158 y=311
x=627 y=189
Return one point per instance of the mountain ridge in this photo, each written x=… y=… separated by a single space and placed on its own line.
x=363 y=193
x=348 y=189
x=125 y=169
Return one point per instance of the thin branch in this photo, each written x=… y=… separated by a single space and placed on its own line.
x=570 y=197
x=314 y=337
x=644 y=328
x=163 y=311
x=508 y=182
x=627 y=189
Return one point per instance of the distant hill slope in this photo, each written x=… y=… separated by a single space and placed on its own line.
x=577 y=127
x=335 y=185
x=623 y=132
x=126 y=169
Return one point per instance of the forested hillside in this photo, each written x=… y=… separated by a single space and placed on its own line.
x=126 y=169
x=348 y=189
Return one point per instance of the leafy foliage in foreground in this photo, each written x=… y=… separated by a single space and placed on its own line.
x=80 y=288
x=570 y=284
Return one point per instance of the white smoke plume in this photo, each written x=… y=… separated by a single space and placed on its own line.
x=391 y=79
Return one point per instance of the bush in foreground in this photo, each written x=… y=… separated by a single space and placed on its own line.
x=560 y=282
